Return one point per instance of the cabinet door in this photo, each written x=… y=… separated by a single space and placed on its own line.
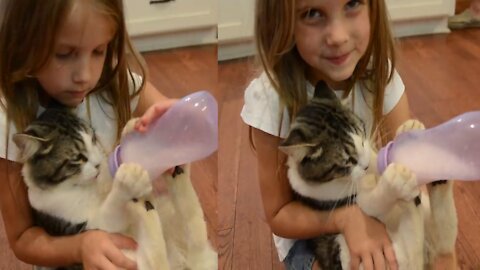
x=418 y=17
x=235 y=28
x=146 y=17
x=419 y=9
x=235 y=21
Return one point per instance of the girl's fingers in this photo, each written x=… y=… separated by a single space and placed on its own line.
x=367 y=262
x=354 y=263
x=379 y=260
x=105 y=264
x=118 y=259
x=116 y=256
x=389 y=254
x=123 y=242
x=153 y=113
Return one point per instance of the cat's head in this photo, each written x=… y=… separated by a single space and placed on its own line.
x=58 y=148
x=327 y=141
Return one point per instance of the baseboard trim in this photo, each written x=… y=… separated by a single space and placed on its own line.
x=424 y=26
x=236 y=49
x=168 y=40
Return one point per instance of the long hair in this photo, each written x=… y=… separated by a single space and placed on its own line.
x=274 y=36
x=27 y=38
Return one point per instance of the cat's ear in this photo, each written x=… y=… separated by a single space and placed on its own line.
x=294 y=145
x=323 y=91
x=298 y=152
x=28 y=145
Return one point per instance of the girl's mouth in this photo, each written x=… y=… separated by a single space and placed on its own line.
x=338 y=59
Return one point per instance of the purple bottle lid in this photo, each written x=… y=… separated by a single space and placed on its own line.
x=114 y=160
x=383 y=157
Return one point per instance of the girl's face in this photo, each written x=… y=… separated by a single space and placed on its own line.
x=76 y=63
x=331 y=37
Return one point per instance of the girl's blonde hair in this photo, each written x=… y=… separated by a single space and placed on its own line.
x=27 y=38
x=274 y=36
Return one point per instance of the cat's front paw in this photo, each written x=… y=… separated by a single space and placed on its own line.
x=132 y=181
x=367 y=183
x=400 y=182
x=411 y=124
x=129 y=127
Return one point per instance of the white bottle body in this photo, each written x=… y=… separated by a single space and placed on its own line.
x=448 y=151
x=187 y=132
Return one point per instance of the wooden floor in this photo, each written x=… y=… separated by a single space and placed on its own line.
x=441 y=74
x=175 y=73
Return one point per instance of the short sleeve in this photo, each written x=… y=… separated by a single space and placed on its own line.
x=262 y=108
x=393 y=93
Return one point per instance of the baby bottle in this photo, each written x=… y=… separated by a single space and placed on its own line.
x=448 y=151
x=186 y=132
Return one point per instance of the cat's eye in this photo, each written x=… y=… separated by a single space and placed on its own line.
x=352 y=160
x=80 y=158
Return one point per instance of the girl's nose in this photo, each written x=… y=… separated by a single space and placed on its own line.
x=337 y=33
x=82 y=73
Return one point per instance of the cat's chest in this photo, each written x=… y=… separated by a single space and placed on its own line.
x=75 y=205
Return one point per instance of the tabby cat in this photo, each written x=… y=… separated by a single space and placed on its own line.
x=71 y=190
x=332 y=163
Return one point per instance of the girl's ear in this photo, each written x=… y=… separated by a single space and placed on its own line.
x=28 y=145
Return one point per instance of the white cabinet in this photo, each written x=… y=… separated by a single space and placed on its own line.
x=235 y=28
x=417 y=17
x=171 y=24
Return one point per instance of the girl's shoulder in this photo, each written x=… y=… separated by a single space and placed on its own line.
x=262 y=108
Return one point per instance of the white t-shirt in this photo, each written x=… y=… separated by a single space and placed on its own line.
x=104 y=121
x=262 y=110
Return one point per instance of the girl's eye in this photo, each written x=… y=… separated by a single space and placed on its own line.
x=353 y=4
x=312 y=14
x=64 y=55
x=99 y=52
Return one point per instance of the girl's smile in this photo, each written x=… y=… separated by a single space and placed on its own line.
x=339 y=59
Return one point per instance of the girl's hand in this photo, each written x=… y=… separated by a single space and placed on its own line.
x=101 y=251
x=152 y=113
x=367 y=240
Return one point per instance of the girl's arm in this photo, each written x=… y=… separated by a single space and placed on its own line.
x=366 y=237
x=396 y=117
x=151 y=104
x=34 y=246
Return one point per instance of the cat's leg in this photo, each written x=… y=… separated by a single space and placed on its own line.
x=151 y=253
x=174 y=231
x=129 y=126
x=411 y=124
x=376 y=197
x=200 y=254
x=394 y=200
x=441 y=226
x=131 y=181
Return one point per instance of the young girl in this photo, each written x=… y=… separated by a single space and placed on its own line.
x=348 y=44
x=77 y=53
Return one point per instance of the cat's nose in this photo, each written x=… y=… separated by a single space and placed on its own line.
x=97 y=166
